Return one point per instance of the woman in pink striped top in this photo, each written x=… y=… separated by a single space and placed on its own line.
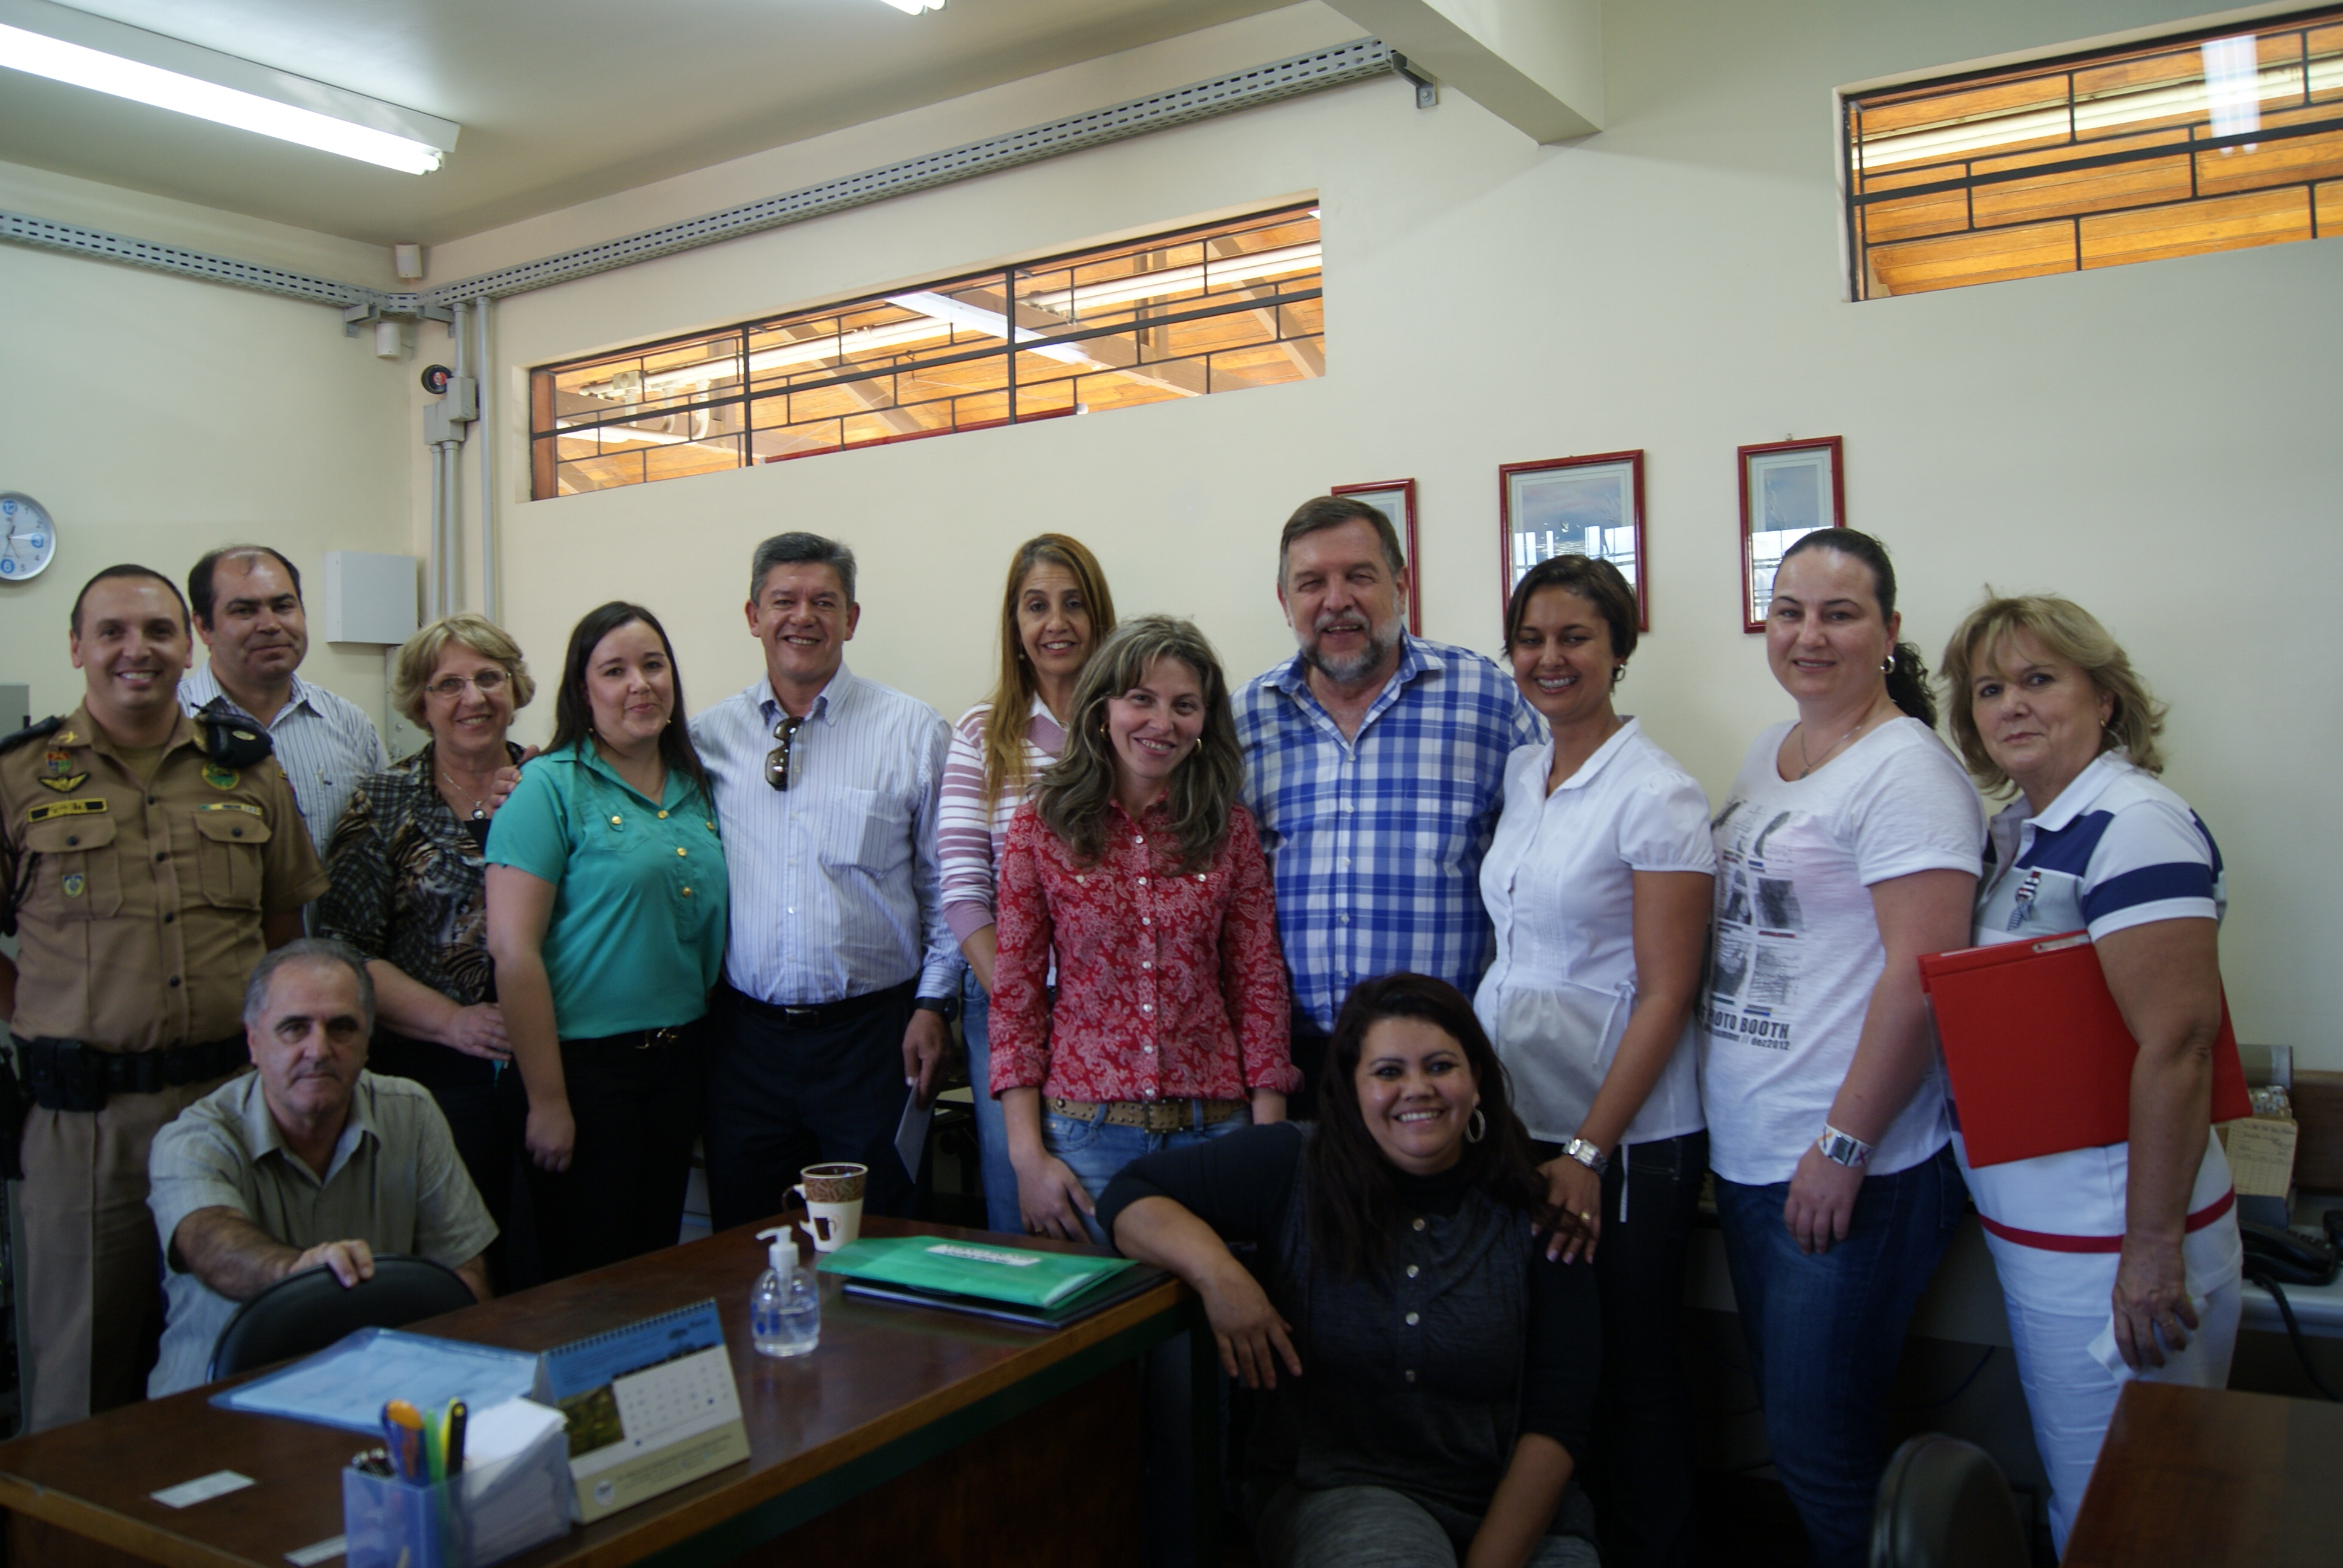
x=1054 y=613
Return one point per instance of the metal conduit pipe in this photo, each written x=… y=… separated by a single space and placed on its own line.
x=438 y=525
x=484 y=368
x=452 y=570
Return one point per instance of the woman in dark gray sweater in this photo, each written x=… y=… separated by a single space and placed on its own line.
x=1451 y=1365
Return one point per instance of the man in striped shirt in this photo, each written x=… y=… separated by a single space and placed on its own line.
x=246 y=601
x=1375 y=767
x=840 y=972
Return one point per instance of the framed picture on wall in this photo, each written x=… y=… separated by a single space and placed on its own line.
x=1576 y=506
x=1395 y=500
x=1787 y=488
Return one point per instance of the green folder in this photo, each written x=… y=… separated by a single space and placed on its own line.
x=959 y=1268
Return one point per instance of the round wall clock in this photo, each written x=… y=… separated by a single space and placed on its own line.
x=28 y=540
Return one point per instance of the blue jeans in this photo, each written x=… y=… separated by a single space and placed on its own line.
x=1096 y=1152
x=1826 y=1332
x=993 y=1170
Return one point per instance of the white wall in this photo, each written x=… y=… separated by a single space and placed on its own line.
x=2155 y=440
x=156 y=416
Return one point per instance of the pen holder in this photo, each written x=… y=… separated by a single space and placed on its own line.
x=394 y=1524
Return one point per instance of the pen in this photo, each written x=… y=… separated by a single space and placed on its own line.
x=454 y=1445
x=403 y=1425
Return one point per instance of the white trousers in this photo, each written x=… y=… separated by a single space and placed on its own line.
x=2069 y=1395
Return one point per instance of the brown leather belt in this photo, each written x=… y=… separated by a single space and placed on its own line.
x=1150 y=1115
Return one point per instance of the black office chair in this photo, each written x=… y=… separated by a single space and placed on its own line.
x=310 y=1310
x=1944 y=1504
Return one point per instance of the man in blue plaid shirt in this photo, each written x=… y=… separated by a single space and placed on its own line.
x=1375 y=765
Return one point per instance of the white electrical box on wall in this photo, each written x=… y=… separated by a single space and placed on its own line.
x=370 y=597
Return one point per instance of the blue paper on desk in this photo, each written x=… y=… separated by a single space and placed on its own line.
x=347 y=1383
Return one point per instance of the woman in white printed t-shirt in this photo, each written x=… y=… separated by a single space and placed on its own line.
x=2122 y=1260
x=1597 y=882
x=1848 y=847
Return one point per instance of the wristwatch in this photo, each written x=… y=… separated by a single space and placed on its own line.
x=947 y=1005
x=1843 y=1147
x=1588 y=1155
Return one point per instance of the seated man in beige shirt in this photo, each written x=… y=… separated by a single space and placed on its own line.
x=309 y=1162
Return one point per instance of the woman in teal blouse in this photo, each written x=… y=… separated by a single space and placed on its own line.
x=607 y=898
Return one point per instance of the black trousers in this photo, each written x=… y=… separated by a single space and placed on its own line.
x=1308 y=1045
x=1639 y=1473
x=487 y=1117
x=784 y=1094
x=637 y=1109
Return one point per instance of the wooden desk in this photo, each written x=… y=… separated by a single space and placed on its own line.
x=2213 y=1479
x=885 y=1410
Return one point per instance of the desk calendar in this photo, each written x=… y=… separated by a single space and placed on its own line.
x=650 y=1406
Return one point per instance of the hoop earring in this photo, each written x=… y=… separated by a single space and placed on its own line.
x=1476 y=1126
x=1887 y=664
x=1618 y=672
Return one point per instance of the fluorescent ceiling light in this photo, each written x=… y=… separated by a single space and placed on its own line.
x=913 y=8
x=1217 y=273
x=272 y=103
x=2232 y=94
x=990 y=323
x=939 y=314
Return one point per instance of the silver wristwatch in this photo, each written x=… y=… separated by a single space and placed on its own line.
x=1843 y=1147
x=1588 y=1155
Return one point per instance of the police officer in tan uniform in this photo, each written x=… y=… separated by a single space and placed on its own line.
x=147 y=860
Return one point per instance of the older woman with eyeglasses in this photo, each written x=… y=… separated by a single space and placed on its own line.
x=409 y=885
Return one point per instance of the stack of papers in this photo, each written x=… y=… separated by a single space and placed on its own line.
x=346 y=1384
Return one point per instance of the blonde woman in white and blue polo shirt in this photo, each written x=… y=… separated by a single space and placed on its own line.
x=2119 y=1262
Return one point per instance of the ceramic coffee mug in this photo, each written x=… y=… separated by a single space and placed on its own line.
x=833 y=1200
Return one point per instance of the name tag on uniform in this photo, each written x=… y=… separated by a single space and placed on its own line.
x=228 y=806
x=66 y=808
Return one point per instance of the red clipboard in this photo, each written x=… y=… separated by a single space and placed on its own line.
x=2039 y=1055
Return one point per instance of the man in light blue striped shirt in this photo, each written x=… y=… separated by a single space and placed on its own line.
x=246 y=601
x=841 y=975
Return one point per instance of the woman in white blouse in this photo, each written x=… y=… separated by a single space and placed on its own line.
x=1054 y=613
x=1598 y=882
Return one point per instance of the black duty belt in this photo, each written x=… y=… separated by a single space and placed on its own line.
x=67 y=1075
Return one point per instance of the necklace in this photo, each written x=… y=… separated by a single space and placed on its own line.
x=1832 y=750
x=479 y=811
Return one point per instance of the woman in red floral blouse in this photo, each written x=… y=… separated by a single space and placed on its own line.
x=1136 y=866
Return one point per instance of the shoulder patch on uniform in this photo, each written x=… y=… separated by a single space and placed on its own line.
x=232 y=745
x=32 y=732
x=66 y=808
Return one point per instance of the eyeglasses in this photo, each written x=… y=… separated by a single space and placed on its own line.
x=487 y=683
x=777 y=760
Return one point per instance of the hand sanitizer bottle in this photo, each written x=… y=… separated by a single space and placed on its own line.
x=785 y=1309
